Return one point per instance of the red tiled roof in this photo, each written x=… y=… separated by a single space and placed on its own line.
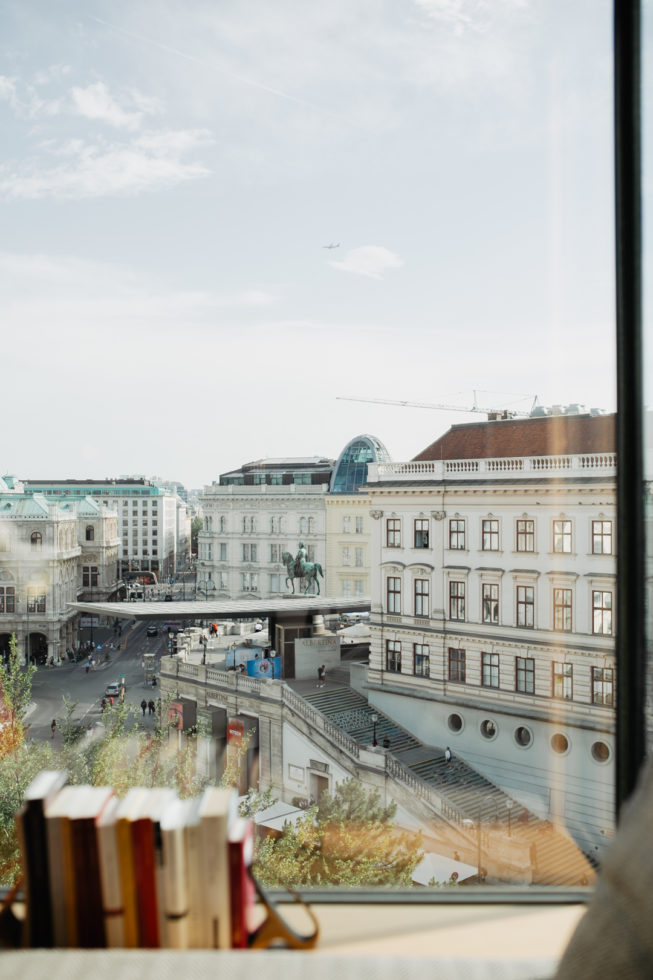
x=551 y=436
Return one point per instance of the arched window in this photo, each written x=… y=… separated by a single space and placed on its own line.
x=223 y=525
x=90 y=532
x=36 y=539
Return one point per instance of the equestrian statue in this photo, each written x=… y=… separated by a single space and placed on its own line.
x=299 y=567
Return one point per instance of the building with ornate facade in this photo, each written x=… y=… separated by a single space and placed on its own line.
x=255 y=514
x=152 y=520
x=52 y=554
x=493 y=594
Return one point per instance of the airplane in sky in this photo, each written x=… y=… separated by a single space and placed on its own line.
x=332 y=245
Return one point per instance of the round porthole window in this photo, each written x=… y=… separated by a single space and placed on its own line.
x=600 y=752
x=560 y=743
x=455 y=723
x=523 y=736
x=488 y=729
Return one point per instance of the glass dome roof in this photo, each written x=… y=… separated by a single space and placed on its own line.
x=350 y=471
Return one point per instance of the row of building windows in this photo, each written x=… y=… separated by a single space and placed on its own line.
x=249 y=525
x=250 y=552
x=601 y=619
x=523 y=674
x=561 y=538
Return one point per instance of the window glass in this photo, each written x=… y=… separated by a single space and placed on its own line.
x=414 y=199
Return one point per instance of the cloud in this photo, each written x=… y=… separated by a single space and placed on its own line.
x=369 y=260
x=151 y=162
x=96 y=102
x=468 y=15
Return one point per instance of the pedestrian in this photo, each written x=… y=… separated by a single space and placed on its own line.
x=150 y=707
x=111 y=700
x=88 y=666
x=143 y=706
x=53 y=727
x=321 y=675
x=104 y=704
x=447 y=754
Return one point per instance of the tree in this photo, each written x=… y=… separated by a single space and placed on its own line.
x=347 y=839
x=196 y=526
x=15 y=697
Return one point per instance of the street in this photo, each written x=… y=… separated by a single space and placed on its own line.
x=50 y=684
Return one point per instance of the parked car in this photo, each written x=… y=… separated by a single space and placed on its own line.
x=152 y=631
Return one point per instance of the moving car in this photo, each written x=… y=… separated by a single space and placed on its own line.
x=115 y=688
x=152 y=631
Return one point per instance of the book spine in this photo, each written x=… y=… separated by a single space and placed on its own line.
x=112 y=908
x=146 y=885
x=128 y=878
x=88 y=892
x=175 y=888
x=217 y=924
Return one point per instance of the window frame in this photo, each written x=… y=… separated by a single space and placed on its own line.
x=490 y=666
x=393 y=533
x=422 y=597
x=421 y=669
x=393 y=656
x=525 y=535
x=421 y=534
x=524 y=604
x=490 y=534
x=457 y=665
x=490 y=620
x=457 y=535
x=525 y=675
x=457 y=596
x=562 y=609
x=393 y=595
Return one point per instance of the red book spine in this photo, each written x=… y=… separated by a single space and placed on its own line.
x=146 y=886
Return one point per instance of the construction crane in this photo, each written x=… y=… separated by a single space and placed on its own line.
x=492 y=413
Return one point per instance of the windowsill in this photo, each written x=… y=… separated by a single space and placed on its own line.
x=393 y=939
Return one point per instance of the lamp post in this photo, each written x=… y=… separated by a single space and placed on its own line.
x=27 y=643
x=375 y=718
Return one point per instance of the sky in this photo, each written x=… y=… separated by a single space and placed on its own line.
x=172 y=172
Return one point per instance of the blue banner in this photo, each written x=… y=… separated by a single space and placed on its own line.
x=267 y=667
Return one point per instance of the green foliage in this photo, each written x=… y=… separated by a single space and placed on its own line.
x=15 y=697
x=17 y=770
x=347 y=840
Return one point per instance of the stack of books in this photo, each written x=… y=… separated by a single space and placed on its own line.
x=148 y=870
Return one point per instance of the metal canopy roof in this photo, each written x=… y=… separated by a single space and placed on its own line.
x=223 y=608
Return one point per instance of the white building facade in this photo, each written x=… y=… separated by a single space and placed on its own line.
x=149 y=521
x=493 y=594
x=52 y=554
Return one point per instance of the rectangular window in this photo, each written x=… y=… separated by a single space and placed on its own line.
x=359 y=525
x=346 y=587
x=490 y=603
x=601 y=537
x=358 y=557
x=276 y=479
x=394 y=594
x=89 y=576
x=563 y=681
x=525 y=675
x=7 y=599
x=525 y=535
x=602 y=612
x=393 y=656
x=421 y=597
x=36 y=603
x=275 y=583
x=275 y=553
x=562 y=610
x=562 y=537
x=358 y=587
x=457 y=535
x=490 y=535
x=421 y=533
x=457 y=601
x=222 y=554
x=457 y=665
x=420 y=660
x=490 y=669
x=526 y=606
x=602 y=686
x=393 y=533
x=346 y=525
x=346 y=556
x=310 y=548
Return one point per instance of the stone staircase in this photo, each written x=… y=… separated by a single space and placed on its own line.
x=555 y=858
